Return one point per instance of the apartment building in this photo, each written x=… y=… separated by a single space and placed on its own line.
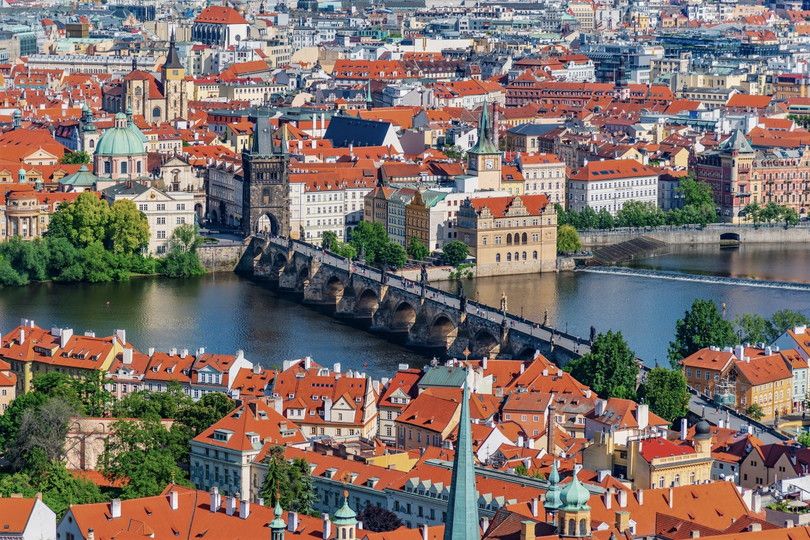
x=609 y=184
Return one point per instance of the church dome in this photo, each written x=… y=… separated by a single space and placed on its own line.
x=703 y=430
x=125 y=139
x=575 y=495
x=345 y=515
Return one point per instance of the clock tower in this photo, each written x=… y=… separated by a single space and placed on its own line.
x=484 y=159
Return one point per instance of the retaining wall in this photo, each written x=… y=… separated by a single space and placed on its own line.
x=220 y=257
x=697 y=235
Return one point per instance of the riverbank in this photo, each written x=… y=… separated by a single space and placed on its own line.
x=693 y=234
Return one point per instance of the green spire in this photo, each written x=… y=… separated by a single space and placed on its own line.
x=345 y=515
x=484 y=145
x=575 y=496
x=553 y=494
x=462 y=506
x=277 y=526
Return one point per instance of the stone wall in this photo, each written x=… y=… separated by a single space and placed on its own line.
x=220 y=257
x=696 y=235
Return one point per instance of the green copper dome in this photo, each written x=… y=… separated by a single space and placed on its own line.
x=125 y=139
x=278 y=523
x=575 y=496
x=345 y=515
x=83 y=178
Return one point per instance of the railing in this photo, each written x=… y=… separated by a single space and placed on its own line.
x=523 y=325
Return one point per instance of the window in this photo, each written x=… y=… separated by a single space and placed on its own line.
x=124 y=167
x=161 y=235
x=161 y=220
x=161 y=207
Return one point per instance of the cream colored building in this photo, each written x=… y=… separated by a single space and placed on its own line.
x=165 y=211
x=543 y=174
x=509 y=235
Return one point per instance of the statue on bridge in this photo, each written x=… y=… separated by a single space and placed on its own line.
x=503 y=303
x=423 y=274
x=462 y=298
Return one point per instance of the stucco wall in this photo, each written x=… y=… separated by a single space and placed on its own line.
x=220 y=257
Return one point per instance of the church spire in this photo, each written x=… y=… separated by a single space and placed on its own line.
x=173 y=56
x=277 y=526
x=462 y=506
x=484 y=145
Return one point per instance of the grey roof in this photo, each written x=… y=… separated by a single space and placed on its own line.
x=444 y=376
x=533 y=129
x=736 y=143
x=349 y=130
x=82 y=178
x=125 y=188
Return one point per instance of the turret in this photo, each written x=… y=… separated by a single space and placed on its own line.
x=277 y=526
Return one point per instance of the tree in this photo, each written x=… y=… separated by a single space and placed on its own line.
x=378 y=519
x=696 y=193
x=344 y=250
x=128 y=228
x=369 y=238
x=82 y=222
x=58 y=487
x=11 y=418
x=186 y=238
x=209 y=409
x=417 y=250
x=289 y=482
x=610 y=369
x=182 y=260
x=74 y=158
x=568 y=240
x=771 y=212
x=147 y=454
x=665 y=391
x=785 y=319
x=41 y=429
x=153 y=405
x=9 y=277
x=790 y=216
x=755 y=411
x=752 y=328
x=455 y=252
x=329 y=240
x=804 y=439
x=391 y=254
x=702 y=326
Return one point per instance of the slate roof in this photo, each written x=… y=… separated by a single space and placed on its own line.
x=349 y=130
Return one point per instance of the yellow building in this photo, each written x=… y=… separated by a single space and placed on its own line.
x=763 y=378
x=510 y=235
x=31 y=350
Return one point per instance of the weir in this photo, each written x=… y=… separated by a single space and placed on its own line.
x=696 y=278
x=391 y=304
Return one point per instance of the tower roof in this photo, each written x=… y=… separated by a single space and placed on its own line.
x=484 y=145
x=278 y=523
x=575 y=496
x=173 y=56
x=737 y=143
x=462 y=505
x=345 y=515
x=553 y=501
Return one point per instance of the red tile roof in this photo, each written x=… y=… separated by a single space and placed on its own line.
x=499 y=206
x=220 y=15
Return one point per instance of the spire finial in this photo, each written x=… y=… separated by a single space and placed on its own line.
x=462 y=504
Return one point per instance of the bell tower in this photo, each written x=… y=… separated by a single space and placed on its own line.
x=173 y=75
x=484 y=159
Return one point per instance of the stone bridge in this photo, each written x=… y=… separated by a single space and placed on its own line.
x=388 y=303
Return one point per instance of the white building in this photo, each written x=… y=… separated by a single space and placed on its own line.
x=543 y=174
x=165 y=211
x=609 y=184
x=27 y=519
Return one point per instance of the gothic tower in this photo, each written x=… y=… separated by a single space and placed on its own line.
x=265 y=184
x=484 y=159
x=462 y=505
x=173 y=75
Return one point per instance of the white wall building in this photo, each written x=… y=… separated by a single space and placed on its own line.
x=611 y=183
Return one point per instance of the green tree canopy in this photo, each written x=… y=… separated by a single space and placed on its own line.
x=417 y=250
x=610 y=369
x=289 y=481
x=82 y=222
x=785 y=319
x=206 y=411
x=701 y=326
x=74 y=158
x=329 y=240
x=378 y=519
x=455 y=252
x=665 y=391
x=128 y=229
x=752 y=328
x=568 y=239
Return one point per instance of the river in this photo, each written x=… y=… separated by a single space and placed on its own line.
x=224 y=312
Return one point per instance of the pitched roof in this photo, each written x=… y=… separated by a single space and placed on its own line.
x=612 y=169
x=16 y=514
x=220 y=15
x=500 y=206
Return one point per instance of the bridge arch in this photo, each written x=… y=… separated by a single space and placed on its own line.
x=367 y=303
x=333 y=289
x=403 y=318
x=484 y=342
x=302 y=278
x=442 y=331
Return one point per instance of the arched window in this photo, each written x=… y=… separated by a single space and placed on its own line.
x=107 y=167
x=266 y=196
x=497 y=257
x=138 y=166
x=583 y=527
x=156 y=112
x=509 y=239
x=572 y=527
x=509 y=257
x=677 y=481
x=92 y=143
x=517 y=256
x=523 y=255
x=124 y=167
x=525 y=238
x=534 y=255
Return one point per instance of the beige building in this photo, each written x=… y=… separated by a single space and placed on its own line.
x=509 y=235
x=165 y=211
x=543 y=174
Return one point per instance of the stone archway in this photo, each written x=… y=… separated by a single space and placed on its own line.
x=267 y=224
x=484 y=343
x=403 y=318
x=367 y=304
x=333 y=290
x=442 y=332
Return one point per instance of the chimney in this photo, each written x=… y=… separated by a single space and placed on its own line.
x=622 y=520
x=183 y=353
x=424 y=530
x=640 y=497
x=230 y=505
x=292 y=521
x=173 y=501
x=623 y=498
x=327 y=526
x=527 y=530
x=91 y=534
x=768 y=351
x=755 y=527
x=599 y=407
x=788 y=524
x=607 y=498
x=150 y=351
x=121 y=334
x=115 y=508
x=535 y=504
x=684 y=428
x=671 y=498
x=213 y=505
x=336 y=368
x=739 y=352
x=22 y=336
x=643 y=415
x=484 y=524
x=244 y=509
x=756 y=503
x=484 y=362
x=695 y=534
x=64 y=335
x=126 y=357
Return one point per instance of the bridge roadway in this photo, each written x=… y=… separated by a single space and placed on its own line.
x=361 y=291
